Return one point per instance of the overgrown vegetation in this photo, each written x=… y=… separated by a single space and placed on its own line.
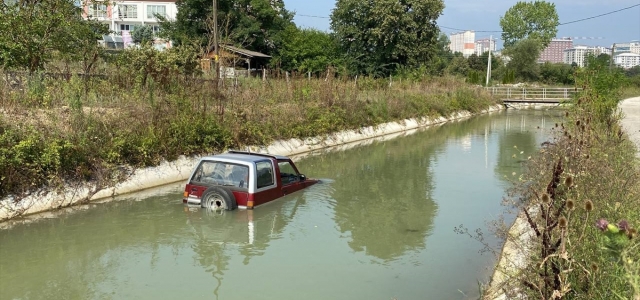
x=150 y=106
x=580 y=198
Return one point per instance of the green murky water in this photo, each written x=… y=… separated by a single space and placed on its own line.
x=381 y=226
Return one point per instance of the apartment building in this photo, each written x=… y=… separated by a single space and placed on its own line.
x=124 y=16
x=485 y=45
x=627 y=60
x=463 y=42
x=554 y=52
x=578 y=54
x=632 y=47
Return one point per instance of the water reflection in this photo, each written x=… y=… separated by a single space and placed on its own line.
x=382 y=196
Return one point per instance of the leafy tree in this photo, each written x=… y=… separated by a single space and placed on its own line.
x=32 y=33
x=307 y=50
x=377 y=36
x=458 y=66
x=536 y=20
x=557 y=73
x=476 y=63
x=256 y=24
x=524 y=56
x=142 y=34
x=443 y=55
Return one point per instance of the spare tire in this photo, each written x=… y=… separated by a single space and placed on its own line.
x=217 y=197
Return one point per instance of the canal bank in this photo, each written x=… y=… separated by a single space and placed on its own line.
x=514 y=254
x=171 y=172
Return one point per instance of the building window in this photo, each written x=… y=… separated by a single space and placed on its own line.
x=128 y=11
x=156 y=29
x=97 y=10
x=127 y=27
x=153 y=10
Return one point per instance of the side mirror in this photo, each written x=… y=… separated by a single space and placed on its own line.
x=302 y=177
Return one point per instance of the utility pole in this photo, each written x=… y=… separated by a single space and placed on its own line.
x=215 y=41
x=613 y=51
x=489 y=62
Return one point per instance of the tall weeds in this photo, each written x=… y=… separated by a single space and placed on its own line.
x=56 y=129
x=585 y=176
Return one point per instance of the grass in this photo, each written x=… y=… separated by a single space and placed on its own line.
x=74 y=129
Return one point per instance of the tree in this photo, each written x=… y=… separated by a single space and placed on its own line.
x=377 y=36
x=307 y=50
x=557 y=73
x=536 y=20
x=257 y=24
x=458 y=65
x=524 y=56
x=31 y=34
x=476 y=63
x=142 y=34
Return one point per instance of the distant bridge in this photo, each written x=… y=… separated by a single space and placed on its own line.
x=533 y=95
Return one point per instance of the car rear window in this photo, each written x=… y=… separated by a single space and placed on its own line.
x=222 y=173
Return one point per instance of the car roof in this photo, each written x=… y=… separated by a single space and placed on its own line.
x=244 y=156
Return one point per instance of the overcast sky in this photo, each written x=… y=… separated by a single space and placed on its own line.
x=480 y=15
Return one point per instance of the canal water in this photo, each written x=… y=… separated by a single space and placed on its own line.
x=380 y=226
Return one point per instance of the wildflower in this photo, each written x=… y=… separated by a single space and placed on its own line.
x=588 y=206
x=602 y=224
x=545 y=198
x=562 y=222
x=568 y=181
x=623 y=225
x=570 y=204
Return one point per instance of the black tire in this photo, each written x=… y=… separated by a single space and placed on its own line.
x=217 y=197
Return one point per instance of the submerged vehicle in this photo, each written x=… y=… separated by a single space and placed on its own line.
x=239 y=179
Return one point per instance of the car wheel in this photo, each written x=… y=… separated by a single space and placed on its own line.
x=218 y=198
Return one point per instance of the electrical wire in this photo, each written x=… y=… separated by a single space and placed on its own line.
x=589 y=18
x=499 y=31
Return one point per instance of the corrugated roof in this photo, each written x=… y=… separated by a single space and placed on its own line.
x=244 y=52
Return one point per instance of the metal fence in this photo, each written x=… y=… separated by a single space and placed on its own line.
x=537 y=94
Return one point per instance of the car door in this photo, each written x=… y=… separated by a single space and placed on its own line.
x=289 y=176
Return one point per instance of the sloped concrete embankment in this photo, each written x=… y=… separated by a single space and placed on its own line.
x=515 y=251
x=171 y=172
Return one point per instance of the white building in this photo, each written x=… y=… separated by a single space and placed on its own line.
x=485 y=45
x=123 y=16
x=627 y=60
x=578 y=54
x=463 y=42
x=632 y=47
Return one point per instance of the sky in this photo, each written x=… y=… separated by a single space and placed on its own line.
x=484 y=15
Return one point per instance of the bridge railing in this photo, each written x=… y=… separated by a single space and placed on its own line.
x=523 y=94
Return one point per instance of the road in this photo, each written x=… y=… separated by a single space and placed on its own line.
x=631 y=119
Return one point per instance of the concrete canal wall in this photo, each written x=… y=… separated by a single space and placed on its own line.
x=175 y=171
x=515 y=250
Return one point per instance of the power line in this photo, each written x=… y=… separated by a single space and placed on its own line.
x=589 y=18
x=309 y=16
x=499 y=31
x=571 y=22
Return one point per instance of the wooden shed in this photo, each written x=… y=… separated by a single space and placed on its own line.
x=233 y=58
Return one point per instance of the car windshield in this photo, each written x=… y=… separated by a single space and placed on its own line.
x=222 y=173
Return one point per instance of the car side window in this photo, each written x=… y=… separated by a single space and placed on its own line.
x=288 y=173
x=264 y=171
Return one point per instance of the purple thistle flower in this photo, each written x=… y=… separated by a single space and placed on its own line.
x=623 y=225
x=602 y=224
